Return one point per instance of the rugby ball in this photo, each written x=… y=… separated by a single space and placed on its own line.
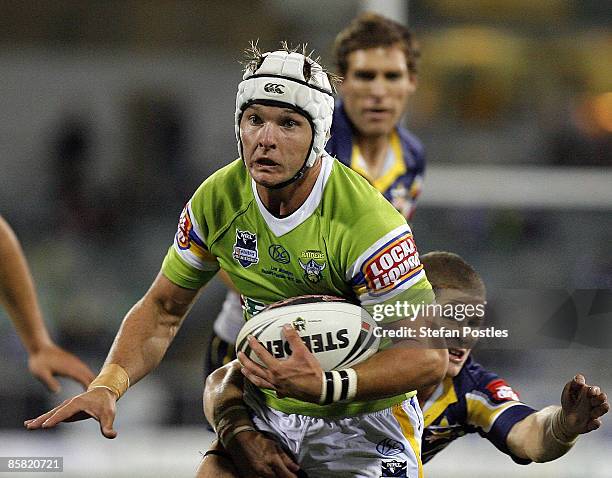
x=338 y=333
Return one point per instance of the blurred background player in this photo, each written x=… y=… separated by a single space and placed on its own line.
x=18 y=297
x=470 y=399
x=377 y=58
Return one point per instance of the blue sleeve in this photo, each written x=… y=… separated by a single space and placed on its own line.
x=493 y=407
x=502 y=426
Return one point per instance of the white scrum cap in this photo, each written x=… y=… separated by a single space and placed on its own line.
x=279 y=81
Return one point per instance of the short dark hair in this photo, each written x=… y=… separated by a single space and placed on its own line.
x=370 y=30
x=446 y=270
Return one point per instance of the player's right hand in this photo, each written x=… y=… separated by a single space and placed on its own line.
x=98 y=403
x=256 y=455
x=583 y=406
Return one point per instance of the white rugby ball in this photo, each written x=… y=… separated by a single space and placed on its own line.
x=338 y=333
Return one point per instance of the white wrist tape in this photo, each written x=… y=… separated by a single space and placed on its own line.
x=338 y=385
x=557 y=432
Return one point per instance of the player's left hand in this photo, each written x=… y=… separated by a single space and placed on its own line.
x=582 y=406
x=51 y=360
x=299 y=376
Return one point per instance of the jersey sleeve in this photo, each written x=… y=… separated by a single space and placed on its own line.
x=188 y=262
x=390 y=270
x=493 y=407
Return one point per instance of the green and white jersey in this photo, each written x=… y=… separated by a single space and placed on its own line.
x=345 y=240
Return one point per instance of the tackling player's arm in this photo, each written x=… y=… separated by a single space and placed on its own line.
x=250 y=451
x=18 y=296
x=550 y=433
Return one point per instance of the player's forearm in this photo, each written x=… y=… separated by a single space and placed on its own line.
x=17 y=292
x=143 y=338
x=145 y=334
x=540 y=437
x=399 y=370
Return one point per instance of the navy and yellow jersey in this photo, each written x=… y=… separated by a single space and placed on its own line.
x=475 y=401
x=402 y=179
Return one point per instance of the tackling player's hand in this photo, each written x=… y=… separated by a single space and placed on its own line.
x=98 y=403
x=52 y=360
x=256 y=455
x=582 y=406
x=299 y=376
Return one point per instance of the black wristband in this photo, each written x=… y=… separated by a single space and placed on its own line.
x=329 y=395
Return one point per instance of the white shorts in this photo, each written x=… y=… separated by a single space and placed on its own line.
x=386 y=443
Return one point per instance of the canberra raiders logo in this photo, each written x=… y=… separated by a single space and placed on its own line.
x=245 y=248
x=312 y=270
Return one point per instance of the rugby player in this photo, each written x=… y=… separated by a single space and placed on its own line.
x=377 y=58
x=470 y=399
x=473 y=400
x=18 y=297
x=286 y=193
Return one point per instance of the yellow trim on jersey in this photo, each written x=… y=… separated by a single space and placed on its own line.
x=408 y=431
x=447 y=398
x=386 y=180
x=482 y=413
x=355 y=154
x=201 y=253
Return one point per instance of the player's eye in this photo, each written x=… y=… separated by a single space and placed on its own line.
x=393 y=76
x=365 y=75
x=254 y=119
x=290 y=122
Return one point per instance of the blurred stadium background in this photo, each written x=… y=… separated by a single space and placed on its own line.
x=112 y=113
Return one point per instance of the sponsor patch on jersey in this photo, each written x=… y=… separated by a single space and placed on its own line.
x=391 y=265
x=312 y=254
x=312 y=270
x=185 y=226
x=279 y=253
x=245 y=248
x=501 y=391
x=395 y=468
x=389 y=447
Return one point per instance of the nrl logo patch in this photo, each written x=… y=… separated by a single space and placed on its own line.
x=312 y=270
x=395 y=468
x=245 y=248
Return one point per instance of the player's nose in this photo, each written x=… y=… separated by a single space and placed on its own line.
x=268 y=136
x=378 y=87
